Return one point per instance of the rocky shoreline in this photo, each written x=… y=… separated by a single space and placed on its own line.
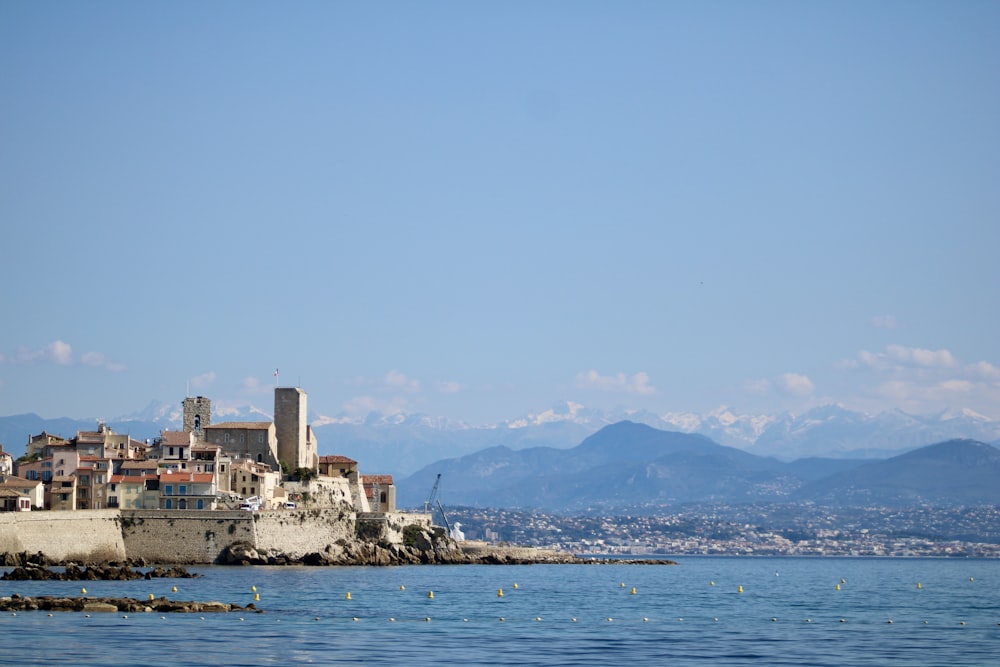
x=423 y=548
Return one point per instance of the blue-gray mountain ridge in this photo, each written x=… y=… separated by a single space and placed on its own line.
x=629 y=467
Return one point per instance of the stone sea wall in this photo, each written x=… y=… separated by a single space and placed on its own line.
x=92 y=536
x=188 y=536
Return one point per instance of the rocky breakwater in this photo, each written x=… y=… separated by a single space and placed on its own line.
x=16 y=603
x=419 y=547
x=32 y=571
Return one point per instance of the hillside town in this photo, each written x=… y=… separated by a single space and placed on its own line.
x=205 y=466
x=763 y=529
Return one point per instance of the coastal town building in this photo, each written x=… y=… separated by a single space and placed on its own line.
x=6 y=463
x=205 y=466
x=380 y=492
x=31 y=491
x=253 y=441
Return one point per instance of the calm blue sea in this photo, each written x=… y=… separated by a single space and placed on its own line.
x=789 y=613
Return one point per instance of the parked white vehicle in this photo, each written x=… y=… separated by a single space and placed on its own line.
x=251 y=504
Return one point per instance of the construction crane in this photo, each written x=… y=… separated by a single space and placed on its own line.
x=433 y=501
x=429 y=503
x=444 y=516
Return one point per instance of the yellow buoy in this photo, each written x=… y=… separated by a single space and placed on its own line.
x=838 y=587
x=711 y=583
x=83 y=591
x=499 y=592
x=256 y=597
x=151 y=597
x=430 y=596
x=347 y=596
x=174 y=589
x=253 y=589
x=843 y=581
x=622 y=585
x=392 y=620
x=633 y=590
x=515 y=585
x=919 y=585
x=739 y=589
x=972 y=579
x=402 y=588
x=538 y=618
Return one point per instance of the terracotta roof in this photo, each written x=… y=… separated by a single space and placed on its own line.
x=18 y=481
x=139 y=465
x=336 y=458
x=130 y=479
x=381 y=480
x=240 y=425
x=175 y=438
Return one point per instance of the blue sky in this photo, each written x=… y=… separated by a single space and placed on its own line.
x=475 y=210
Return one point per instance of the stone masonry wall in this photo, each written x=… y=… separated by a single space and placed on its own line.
x=89 y=536
x=300 y=532
x=184 y=536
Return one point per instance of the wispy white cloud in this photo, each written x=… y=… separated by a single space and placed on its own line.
x=795 y=384
x=98 y=360
x=397 y=380
x=637 y=383
x=916 y=356
x=449 y=387
x=885 y=321
x=896 y=357
x=984 y=370
x=760 y=386
x=362 y=405
x=251 y=385
x=203 y=381
x=61 y=353
x=787 y=384
x=921 y=380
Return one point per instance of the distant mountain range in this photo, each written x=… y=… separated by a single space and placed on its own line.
x=629 y=467
x=402 y=444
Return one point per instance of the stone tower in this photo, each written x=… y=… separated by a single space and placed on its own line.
x=296 y=444
x=197 y=415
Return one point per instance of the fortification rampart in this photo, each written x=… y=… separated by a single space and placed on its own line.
x=185 y=536
x=92 y=536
